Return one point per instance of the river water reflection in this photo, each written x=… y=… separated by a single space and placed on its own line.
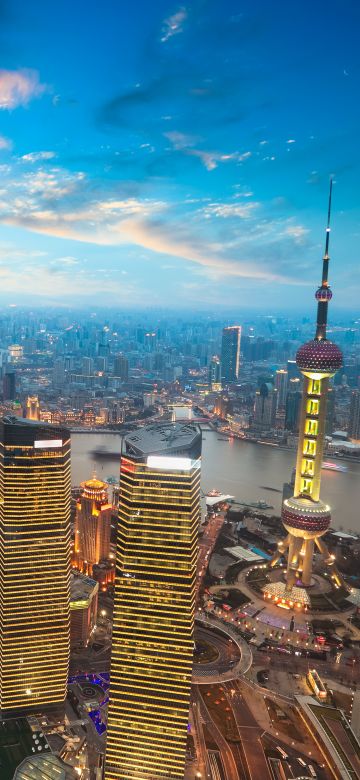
x=240 y=468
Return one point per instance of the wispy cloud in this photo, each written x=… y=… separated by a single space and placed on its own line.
x=18 y=87
x=33 y=157
x=186 y=143
x=173 y=25
x=5 y=143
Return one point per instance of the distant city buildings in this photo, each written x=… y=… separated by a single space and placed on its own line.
x=35 y=491
x=230 y=353
x=152 y=647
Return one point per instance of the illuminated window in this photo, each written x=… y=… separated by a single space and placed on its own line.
x=312 y=406
x=309 y=447
x=307 y=467
x=314 y=387
x=311 y=427
x=306 y=486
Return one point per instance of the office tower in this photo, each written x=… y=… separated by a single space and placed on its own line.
x=9 y=386
x=354 y=424
x=281 y=384
x=35 y=493
x=121 y=367
x=59 y=373
x=87 y=366
x=230 y=353
x=32 y=408
x=292 y=369
x=84 y=594
x=150 y=341
x=292 y=406
x=305 y=517
x=265 y=407
x=152 y=646
x=92 y=525
x=215 y=373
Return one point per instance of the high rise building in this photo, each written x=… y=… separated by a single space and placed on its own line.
x=281 y=384
x=305 y=517
x=152 y=646
x=265 y=407
x=121 y=367
x=92 y=525
x=230 y=353
x=354 y=424
x=35 y=493
x=87 y=366
x=215 y=373
x=9 y=386
x=292 y=406
x=32 y=408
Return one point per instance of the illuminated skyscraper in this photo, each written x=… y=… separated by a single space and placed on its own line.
x=281 y=384
x=215 y=373
x=35 y=492
x=152 y=647
x=92 y=525
x=305 y=517
x=230 y=353
x=32 y=409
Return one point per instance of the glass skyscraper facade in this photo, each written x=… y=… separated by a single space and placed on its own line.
x=35 y=494
x=153 y=637
x=230 y=353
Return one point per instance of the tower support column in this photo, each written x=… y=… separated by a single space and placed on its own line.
x=307 y=562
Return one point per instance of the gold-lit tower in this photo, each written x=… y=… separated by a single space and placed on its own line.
x=92 y=526
x=305 y=516
x=35 y=493
x=153 y=634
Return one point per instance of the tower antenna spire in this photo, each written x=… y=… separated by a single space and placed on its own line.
x=323 y=295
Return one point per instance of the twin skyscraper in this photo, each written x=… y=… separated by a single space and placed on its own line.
x=152 y=650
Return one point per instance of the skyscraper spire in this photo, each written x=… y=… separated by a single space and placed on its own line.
x=323 y=294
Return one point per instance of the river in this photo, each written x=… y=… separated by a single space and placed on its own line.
x=237 y=467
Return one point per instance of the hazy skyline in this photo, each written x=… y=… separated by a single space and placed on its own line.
x=178 y=154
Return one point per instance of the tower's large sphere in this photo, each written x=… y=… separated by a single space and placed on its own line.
x=305 y=519
x=319 y=356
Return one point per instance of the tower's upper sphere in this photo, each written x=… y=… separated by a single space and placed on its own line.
x=319 y=355
x=323 y=294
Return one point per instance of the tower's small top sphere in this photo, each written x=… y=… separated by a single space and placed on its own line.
x=323 y=294
x=319 y=355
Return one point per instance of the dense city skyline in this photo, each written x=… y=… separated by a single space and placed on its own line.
x=178 y=153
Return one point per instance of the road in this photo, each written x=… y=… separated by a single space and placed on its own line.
x=256 y=765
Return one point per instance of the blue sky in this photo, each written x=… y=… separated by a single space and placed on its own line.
x=178 y=154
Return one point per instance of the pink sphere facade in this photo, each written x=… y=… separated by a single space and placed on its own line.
x=319 y=355
x=312 y=523
x=323 y=294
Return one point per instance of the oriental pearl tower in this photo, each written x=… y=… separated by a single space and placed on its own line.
x=305 y=516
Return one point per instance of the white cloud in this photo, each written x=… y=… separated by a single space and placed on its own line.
x=18 y=87
x=173 y=25
x=185 y=143
x=5 y=143
x=33 y=157
x=226 y=210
